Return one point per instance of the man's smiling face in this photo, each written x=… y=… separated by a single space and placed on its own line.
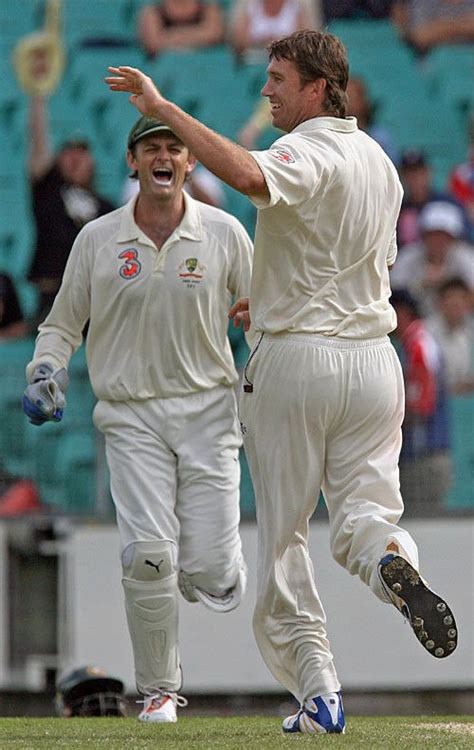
x=291 y=100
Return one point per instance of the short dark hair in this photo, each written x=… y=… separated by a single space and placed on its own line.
x=317 y=54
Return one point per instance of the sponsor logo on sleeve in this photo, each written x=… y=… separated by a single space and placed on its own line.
x=283 y=154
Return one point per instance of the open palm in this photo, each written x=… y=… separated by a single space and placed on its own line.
x=144 y=95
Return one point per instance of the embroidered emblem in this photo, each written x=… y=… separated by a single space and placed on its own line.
x=132 y=265
x=191 y=271
x=282 y=154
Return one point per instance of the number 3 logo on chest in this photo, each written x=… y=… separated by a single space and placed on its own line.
x=132 y=265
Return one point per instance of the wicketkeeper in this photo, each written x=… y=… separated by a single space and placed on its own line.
x=155 y=279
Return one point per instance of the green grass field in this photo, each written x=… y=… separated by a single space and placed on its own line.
x=237 y=733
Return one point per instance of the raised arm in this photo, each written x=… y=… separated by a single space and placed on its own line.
x=232 y=163
x=41 y=155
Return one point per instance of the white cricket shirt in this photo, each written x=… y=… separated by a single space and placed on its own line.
x=158 y=319
x=326 y=236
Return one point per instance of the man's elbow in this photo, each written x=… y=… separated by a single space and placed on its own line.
x=254 y=185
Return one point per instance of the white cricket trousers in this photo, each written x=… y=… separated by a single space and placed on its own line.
x=324 y=414
x=174 y=476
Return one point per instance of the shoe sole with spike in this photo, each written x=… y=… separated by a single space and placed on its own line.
x=430 y=617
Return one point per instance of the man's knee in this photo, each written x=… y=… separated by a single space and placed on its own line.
x=220 y=592
x=149 y=561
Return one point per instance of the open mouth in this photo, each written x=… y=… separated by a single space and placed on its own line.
x=163 y=176
x=274 y=106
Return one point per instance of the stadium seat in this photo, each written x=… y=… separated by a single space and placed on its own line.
x=14 y=429
x=462 y=421
x=16 y=20
x=449 y=70
x=105 y=21
x=76 y=467
x=16 y=233
x=429 y=124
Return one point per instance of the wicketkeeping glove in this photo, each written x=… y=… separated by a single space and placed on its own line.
x=44 y=399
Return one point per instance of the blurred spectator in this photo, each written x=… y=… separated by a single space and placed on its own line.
x=12 y=323
x=452 y=326
x=180 y=24
x=202 y=185
x=356 y=9
x=63 y=201
x=417 y=181
x=425 y=462
x=359 y=105
x=427 y=23
x=439 y=255
x=255 y=23
x=461 y=186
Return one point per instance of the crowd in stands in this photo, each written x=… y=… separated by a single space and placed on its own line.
x=433 y=276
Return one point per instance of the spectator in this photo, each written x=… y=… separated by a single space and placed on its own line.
x=180 y=24
x=440 y=255
x=64 y=200
x=427 y=23
x=12 y=323
x=452 y=325
x=256 y=23
x=417 y=180
x=359 y=105
x=461 y=187
x=425 y=462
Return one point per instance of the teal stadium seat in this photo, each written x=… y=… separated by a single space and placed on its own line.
x=18 y=19
x=450 y=72
x=461 y=495
x=378 y=56
x=75 y=466
x=428 y=123
x=15 y=431
x=84 y=22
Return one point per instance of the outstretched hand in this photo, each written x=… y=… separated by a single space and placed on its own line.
x=239 y=313
x=145 y=95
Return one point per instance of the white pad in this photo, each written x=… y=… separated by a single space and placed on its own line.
x=224 y=603
x=151 y=603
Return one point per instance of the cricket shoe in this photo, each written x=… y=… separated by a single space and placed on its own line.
x=323 y=714
x=161 y=707
x=428 y=614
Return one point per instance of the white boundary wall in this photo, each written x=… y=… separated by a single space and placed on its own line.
x=372 y=645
